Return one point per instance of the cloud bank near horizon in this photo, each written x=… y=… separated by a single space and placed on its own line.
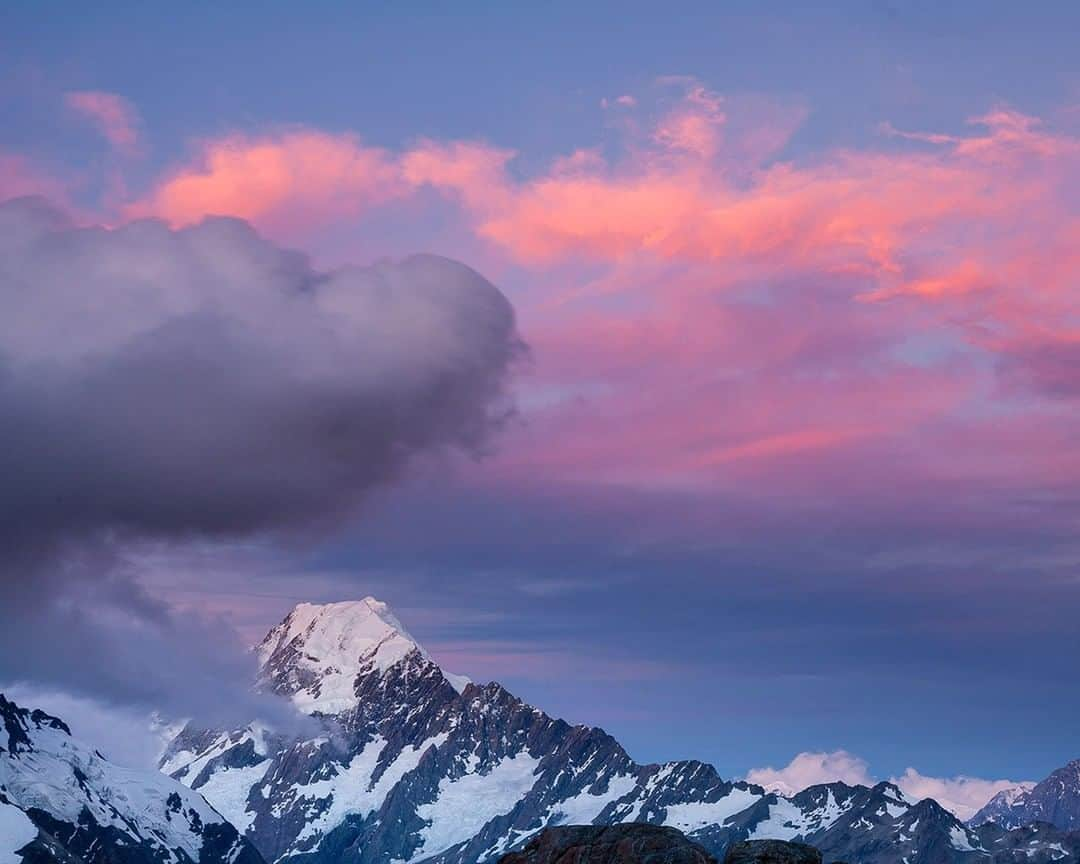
x=962 y=795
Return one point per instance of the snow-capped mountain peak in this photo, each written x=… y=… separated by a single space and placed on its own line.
x=339 y=634
x=316 y=654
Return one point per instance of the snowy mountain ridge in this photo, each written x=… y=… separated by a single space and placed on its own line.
x=60 y=800
x=407 y=767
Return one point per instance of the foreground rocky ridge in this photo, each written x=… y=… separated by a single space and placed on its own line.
x=771 y=852
x=628 y=843
x=61 y=801
x=410 y=765
x=640 y=843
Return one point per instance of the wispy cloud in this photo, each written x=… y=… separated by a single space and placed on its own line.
x=112 y=115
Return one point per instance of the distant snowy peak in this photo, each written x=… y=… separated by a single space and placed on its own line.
x=1001 y=807
x=785 y=790
x=1055 y=800
x=317 y=653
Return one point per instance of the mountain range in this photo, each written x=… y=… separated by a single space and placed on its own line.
x=407 y=763
x=401 y=763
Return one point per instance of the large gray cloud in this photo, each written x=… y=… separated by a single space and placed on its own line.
x=161 y=385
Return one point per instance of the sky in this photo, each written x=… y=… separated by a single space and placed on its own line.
x=709 y=373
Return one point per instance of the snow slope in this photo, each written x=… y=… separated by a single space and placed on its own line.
x=65 y=789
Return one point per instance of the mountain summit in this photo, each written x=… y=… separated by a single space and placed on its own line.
x=316 y=655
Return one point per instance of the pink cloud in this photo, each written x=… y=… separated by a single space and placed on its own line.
x=285 y=184
x=667 y=373
x=855 y=213
x=473 y=172
x=695 y=126
x=112 y=115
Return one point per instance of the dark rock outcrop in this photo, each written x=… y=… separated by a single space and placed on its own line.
x=629 y=843
x=771 y=852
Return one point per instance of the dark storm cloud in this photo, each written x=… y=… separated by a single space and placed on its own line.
x=161 y=385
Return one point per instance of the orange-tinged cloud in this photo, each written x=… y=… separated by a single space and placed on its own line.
x=589 y=215
x=1013 y=134
x=285 y=183
x=473 y=171
x=854 y=211
x=783 y=444
x=965 y=277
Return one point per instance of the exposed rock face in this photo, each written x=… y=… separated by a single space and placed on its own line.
x=1039 y=842
x=410 y=764
x=630 y=843
x=1056 y=800
x=61 y=801
x=771 y=852
x=1003 y=808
